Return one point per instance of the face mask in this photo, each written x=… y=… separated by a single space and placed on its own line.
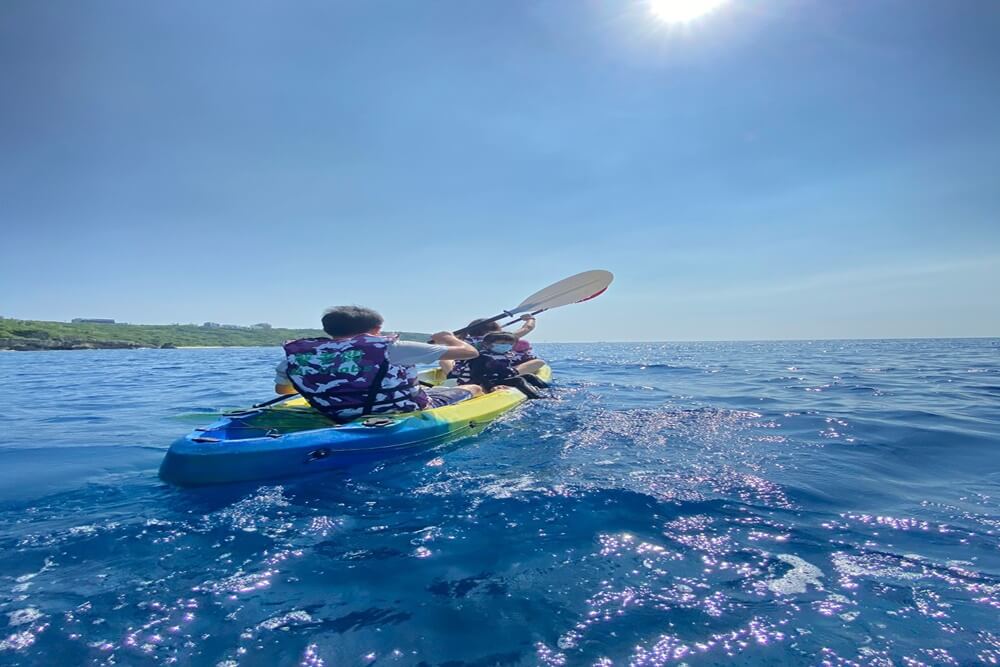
x=503 y=348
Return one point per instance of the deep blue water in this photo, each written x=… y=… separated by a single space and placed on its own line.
x=711 y=503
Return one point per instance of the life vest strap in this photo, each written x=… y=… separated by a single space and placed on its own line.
x=383 y=368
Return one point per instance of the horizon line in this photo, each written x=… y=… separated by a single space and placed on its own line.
x=581 y=342
x=770 y=340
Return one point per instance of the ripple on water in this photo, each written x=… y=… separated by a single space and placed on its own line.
x=678 y=503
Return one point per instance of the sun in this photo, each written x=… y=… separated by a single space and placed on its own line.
x=682 y=11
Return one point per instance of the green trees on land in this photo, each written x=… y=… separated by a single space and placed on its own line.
x=38 y=334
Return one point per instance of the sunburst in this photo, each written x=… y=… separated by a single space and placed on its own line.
x=682 y=11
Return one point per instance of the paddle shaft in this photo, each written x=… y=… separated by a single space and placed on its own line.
x=575 y=289
x=539 y=312
x=464 y=330
x=277 y=399
x=518 y=319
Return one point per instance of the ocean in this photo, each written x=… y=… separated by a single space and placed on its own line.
x=813 y=503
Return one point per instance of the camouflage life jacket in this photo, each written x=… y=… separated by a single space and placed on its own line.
x=522 y=352
x=347 y=378
x=460 y=371
x=491 y=368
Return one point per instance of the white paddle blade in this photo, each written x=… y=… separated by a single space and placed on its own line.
x=574 y=289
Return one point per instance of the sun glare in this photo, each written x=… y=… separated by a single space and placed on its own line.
x=682 y=11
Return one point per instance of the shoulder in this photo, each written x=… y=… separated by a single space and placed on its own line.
x=410 y=353
x=303 y=344
x=409 y=346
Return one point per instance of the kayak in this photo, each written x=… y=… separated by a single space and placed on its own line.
x=291 y=438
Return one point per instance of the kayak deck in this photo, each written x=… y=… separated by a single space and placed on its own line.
x=292 y=438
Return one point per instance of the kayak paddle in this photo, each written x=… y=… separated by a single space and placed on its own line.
x=539 y=312
x=581 y=287
x=200 y=417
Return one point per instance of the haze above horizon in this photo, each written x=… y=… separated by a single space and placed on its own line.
x=769 y=170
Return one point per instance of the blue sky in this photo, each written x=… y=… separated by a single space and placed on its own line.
x=775 y=169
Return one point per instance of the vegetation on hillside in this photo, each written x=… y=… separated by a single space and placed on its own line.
x=34 y=334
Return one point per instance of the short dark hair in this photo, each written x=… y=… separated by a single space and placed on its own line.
x=482 y=326
x=499 y=337
x=350 y=321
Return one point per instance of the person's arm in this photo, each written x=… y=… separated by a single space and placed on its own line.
x=527 y=327
x=446 y=366
x=457 y=348
x=282 y=385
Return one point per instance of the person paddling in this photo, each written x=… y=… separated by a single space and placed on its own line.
x=520 y=354
x=359 y=371
x=495 y=366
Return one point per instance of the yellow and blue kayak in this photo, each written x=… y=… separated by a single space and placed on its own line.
x=291 y=438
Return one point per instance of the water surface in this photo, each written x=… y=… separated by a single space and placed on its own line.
x=826 y=502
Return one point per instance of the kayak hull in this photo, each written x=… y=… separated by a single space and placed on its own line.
x=292 y=439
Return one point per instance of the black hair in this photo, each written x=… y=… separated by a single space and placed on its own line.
x=499 y=337
x=481 y=327
x=350 y=321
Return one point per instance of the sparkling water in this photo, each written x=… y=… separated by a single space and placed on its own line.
x=828 y=502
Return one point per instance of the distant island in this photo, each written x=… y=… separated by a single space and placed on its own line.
x=91 y=334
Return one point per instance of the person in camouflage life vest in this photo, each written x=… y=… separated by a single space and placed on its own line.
x=350 y=377
x=359 y=371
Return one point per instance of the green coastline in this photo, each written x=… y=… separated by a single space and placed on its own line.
x=31 y=335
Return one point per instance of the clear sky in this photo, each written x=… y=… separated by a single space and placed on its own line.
x=773 y=169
